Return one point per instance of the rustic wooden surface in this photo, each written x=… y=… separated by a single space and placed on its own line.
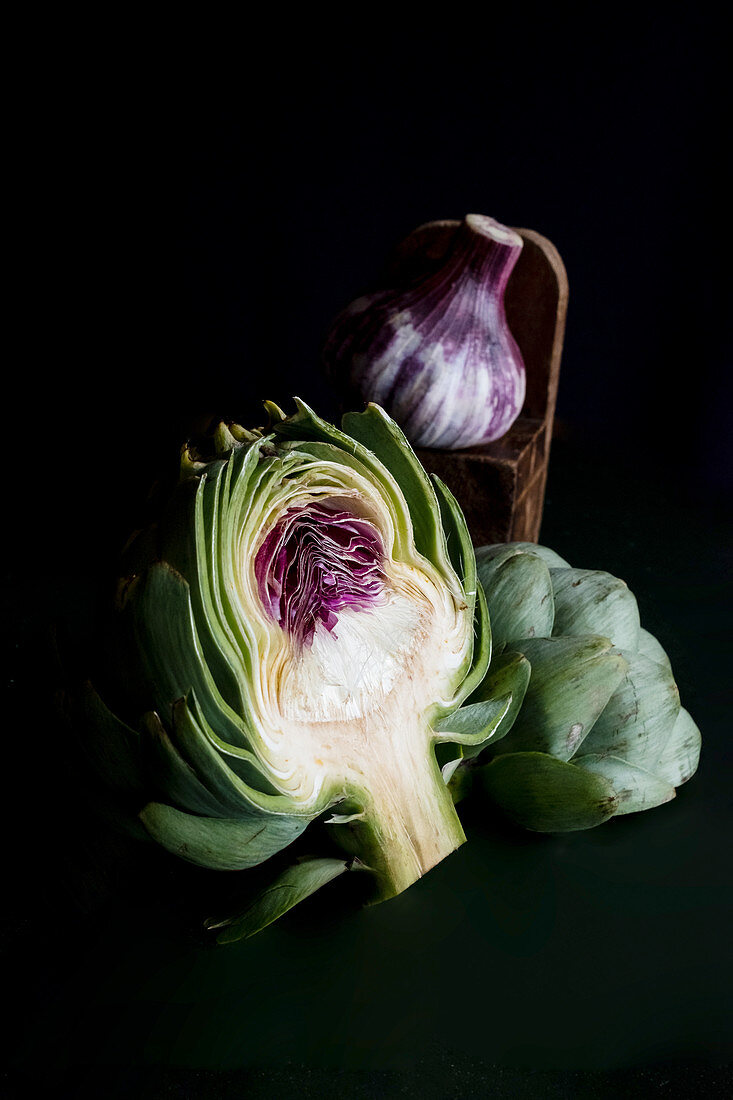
x=501 y=485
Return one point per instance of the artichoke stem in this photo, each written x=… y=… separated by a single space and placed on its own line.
x=409 y=824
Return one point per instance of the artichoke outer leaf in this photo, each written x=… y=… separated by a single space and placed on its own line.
x=482 y=645
x=175 y=780
x=379 y=434
x=457 y=538
x=501 y=551
x=589 y=601
x=461 y=553
x=637 y=789
x=475 y=723
x=221 y=844
x=572 y=681
x=640 y=715
x=651 y=648
x=460 y=782
x=550 y=557
x=170 y=650
x=681 y=754
x=111 y=746
x=547 y=795
x=291 y=887
x=185 y=550
x=508 y=675
x=519 y=594
x=219 y=772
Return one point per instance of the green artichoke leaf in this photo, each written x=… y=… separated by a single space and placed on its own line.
x=459 y=780
x=380 y=435
x=651 y=648
x=112 y=747
x=175 y=780
x=460 y=549
x=681 y=754
x=547 y=795
x=500 y=551
x=572 y=681
x=508 y=677
x=457 y=538
x=519 y=592
x=220 y=770
x=169 y=648
x=638 y=719
x=184 y=549
x=474 y=724
x=219 y=843
x=291 y=887
x=550 y=557
x=636 y=788
x=170 y=651
x=589 y=601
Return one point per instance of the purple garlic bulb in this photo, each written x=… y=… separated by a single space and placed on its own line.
x=437 y=354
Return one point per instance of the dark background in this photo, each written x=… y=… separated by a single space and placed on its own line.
x=194 y=208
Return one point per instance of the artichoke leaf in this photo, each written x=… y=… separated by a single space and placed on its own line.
x=501 y=551
x=547 y=795
x=171 y=652
x=457 y=538
x=475 y=723
x=651 y=648
x=291 y=887
x=448 y=770
x=509 y=674
x=636 y=788
x=519 y=592
x=221 y=844
x=380 y=435
x=184 y=549
x=491 y=709
x=550 y=557
x=636 y=723
x=572 y=680
x=112 y=747
x=681 y=753
x=460 y=781
x=460 y=550
x=219 y=772
x=175 y=779
x=589 y=601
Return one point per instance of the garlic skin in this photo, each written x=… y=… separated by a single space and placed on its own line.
x=437 y=354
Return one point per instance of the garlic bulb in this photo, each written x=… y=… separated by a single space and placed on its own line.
x=438 y=354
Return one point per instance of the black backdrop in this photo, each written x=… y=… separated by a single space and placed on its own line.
x=200 y=210
x=195 y=208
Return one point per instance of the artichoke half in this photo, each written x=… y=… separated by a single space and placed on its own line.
x=290 y=639
x=303 y=635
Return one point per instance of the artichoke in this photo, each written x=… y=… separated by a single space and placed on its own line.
x=601 y=731
x=301 y=637
x=290 y=637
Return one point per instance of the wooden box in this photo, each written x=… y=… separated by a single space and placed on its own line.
x=501 y=485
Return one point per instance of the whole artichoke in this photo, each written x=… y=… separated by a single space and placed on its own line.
x=601 y=731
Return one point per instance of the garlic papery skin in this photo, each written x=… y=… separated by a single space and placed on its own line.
x=438 y=354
